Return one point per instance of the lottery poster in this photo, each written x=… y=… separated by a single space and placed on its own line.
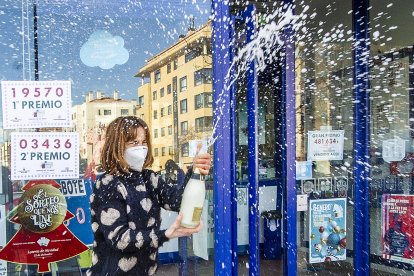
x=398 y=228
x=327 y=230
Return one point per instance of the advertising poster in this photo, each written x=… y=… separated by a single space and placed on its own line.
x=44 y=155
x=42 y=237
x=398 y=227
x=31 y=104
x=325 y=145
x=327 y=230
x=77 y=193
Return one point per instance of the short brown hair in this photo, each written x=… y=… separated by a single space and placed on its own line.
x=118 y=133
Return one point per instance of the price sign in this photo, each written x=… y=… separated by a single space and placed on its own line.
x=325 y=145
x=32 y=104
x=45 y=155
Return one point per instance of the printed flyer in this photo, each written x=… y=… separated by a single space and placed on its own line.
x=327 y=230
x=398 y=227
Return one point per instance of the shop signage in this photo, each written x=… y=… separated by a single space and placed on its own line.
x=398 y=228
x=328 y=185
x=393 y=149
x=31 y=104
x=45 y=155
x=42 y=237
x=327 y=230
x=325 y=145
x=77 y=193
x=303 y=170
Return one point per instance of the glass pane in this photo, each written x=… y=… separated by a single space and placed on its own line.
x=122 y=58
x=325 y=137
x=391 y=202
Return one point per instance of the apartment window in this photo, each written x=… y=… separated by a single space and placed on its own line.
x=203 y=124
x=191 y=54
x=107 y=112
x=203 y=100
x=183 y=84
x=155 y=133
x=163 y=151
x=124 y=112
x=169 y=89
x=184 y=128
x=184 y=150
x=154 y=95
x=162 y=131
x=157 y=76
x=141 y=100
x=170 y=150
x=204 y=75
x=175 y=64
x=170 y=130
x=155 y=114
x=174 y=84
x=162 y=92
x=168 y=68
x=169 y=109
x=162 y=111
x=155 y=152
x=183 y=106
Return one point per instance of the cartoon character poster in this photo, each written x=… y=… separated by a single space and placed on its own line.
x=398 y=227
x=327 y=230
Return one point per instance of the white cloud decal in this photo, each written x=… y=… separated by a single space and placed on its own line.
x=104 y=50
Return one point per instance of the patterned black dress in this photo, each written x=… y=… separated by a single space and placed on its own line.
x=126 y=219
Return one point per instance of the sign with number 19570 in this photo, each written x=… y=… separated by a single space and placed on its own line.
x=44 y=155
x=33 y=104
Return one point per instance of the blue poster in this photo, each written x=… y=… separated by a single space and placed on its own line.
x=77 y=193
x=327 y=230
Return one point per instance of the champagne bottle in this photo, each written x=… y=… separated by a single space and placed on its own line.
x=193 y=200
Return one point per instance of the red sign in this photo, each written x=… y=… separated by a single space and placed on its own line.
x=43 y=238
x=398 y=228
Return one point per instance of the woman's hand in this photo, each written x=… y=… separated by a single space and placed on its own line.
x=203 y=163
x=176 y=230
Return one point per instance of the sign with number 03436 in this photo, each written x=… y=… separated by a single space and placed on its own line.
x=44 y=155
x=32 y=104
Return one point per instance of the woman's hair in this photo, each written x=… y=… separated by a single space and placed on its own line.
x=118 y=133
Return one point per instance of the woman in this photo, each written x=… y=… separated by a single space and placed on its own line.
x=127 y=200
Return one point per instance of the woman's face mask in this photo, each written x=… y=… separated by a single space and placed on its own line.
x=135 y=157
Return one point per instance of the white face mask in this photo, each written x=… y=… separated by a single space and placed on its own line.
x=135 y=157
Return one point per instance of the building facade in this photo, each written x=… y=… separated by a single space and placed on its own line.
x=175 y=97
